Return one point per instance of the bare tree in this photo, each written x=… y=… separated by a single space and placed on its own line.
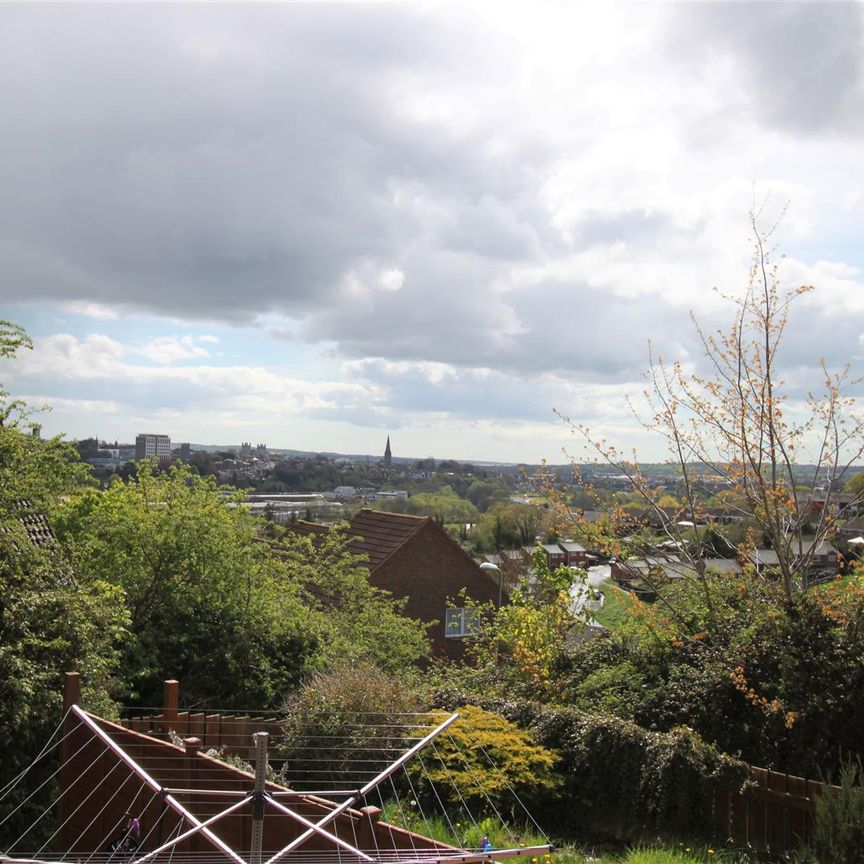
x=737 y=423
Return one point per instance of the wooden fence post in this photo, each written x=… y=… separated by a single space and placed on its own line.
x=170 y=701
x=71 y=696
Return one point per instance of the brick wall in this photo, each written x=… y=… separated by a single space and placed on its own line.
x=430 y=569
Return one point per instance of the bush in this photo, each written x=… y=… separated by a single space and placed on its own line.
x=337 y=719
x=488 y=764
x=838 y=836
x=620 y=779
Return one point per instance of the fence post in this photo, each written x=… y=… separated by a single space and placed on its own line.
x=170 y=701
x=71 y=696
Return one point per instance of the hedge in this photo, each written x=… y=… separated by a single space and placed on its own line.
x=619 y=779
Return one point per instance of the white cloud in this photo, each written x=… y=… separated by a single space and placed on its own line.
x=98 y=311
x=166 y=350
x=392 y=279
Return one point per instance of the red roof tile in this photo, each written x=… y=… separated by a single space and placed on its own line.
x=380 y=534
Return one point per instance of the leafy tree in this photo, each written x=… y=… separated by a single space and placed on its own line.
x=483 y=493
x=529 y=633
x=507 y=525
x=52 y=618
x=354 y=621
x=238 y=621
x=205 y=601
x=445 y=506
x=855 y=484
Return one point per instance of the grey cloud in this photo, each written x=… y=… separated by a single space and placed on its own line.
x=803 y=62
x=446 y=313
x=142 y=165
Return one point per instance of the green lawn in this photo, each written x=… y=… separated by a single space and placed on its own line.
x=616 y=606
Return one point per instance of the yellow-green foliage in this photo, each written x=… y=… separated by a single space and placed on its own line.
x=484 y=758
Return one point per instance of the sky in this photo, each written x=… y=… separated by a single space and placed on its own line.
x=316 y=225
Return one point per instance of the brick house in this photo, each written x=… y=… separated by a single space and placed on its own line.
x=414 y=558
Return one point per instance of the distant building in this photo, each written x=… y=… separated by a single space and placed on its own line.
x=148 y=446
x=185 y=451
x=388 y=456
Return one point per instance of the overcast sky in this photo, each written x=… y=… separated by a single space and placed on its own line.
x=317 y=225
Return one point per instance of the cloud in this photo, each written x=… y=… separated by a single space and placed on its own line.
x=799 y=65
x=467 y=213
x=97 y=311
x=166 y=350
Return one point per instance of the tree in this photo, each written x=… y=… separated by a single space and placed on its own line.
x=237 y=620
x=203 y=599
x=53 y=618
x=528 y=634
x=355 y=621
x=855 y=484
x=736 y=423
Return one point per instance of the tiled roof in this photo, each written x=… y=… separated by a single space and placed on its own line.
x=380 y=534
x=38 y=529
x=308 y=529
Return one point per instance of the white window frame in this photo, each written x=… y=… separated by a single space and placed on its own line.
x=460 y=622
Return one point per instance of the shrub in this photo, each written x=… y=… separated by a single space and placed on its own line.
x=838 y=835
x=620 y=779
x=335 y=721
x=488 y=763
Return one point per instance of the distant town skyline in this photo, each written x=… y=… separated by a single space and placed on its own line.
x=319 y=224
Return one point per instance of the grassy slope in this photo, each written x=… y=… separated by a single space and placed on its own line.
x=616 y=606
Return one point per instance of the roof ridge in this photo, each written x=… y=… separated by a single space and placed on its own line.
x=388 y=513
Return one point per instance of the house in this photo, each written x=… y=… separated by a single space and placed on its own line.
x=555 y=555
x=851 y=528
x=576 y=555
x=823 y=559
x=414 y=558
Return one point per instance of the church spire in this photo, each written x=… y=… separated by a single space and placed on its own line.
x=388 y=457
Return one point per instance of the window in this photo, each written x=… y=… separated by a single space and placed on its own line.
x=460 y=622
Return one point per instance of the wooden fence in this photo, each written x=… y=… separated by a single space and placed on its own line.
x=217 y=730
x=774 y=813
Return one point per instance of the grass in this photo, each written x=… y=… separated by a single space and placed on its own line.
x=617 y=606
x=469 y=835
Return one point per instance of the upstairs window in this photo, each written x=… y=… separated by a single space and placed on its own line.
x=460 y=622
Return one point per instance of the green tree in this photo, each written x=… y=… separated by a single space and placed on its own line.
x=204 y=600
x=236 y=619
x=354 y=620
x=53 y=619
x=855 y=484
x=528 y=634
x=445 y=506
x=507 y=525
x=483 y=493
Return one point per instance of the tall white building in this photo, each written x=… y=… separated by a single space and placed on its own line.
x=147 y=446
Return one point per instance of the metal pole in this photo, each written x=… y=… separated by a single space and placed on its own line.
x=326 y=834
x=260 y=739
